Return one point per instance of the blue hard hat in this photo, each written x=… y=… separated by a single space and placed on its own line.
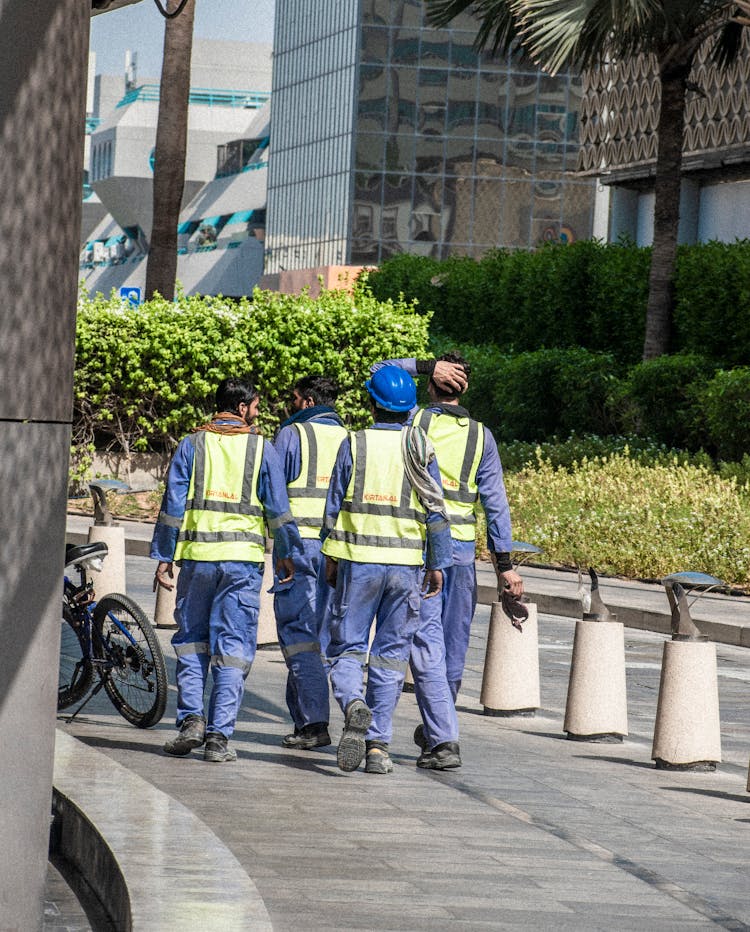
x=392 y=389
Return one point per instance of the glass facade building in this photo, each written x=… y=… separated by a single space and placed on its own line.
x=390 y=136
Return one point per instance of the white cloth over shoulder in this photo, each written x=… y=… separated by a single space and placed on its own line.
x=418 y=452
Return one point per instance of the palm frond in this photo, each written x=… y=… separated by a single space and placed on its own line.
x=441 y=12
x=728 y=44
x=497 y=29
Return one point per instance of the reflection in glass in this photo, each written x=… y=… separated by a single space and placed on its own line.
x=453 y=152
x=374 y=44
x=459 y=156
x=399 y=152
x=405 y=47
x=369 y=152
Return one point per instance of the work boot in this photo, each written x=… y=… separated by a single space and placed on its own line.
x=216 y=749
x=445 y=756
x=308 y=737
x=192 y=734
x=378 y=759
x=351 y=749
x=420 y=739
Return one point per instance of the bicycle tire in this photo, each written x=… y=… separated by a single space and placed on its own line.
x=137 y=680
x=76 y=672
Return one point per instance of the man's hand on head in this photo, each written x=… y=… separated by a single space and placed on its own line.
x=449 y=377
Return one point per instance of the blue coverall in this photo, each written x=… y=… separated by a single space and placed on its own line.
x=388 y=592
x=218 y=601
x=445 y=621
x=301 y=605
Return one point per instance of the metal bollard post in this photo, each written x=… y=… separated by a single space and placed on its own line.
x=510 y=679
x=687 y=732
x=596 y=708
x=111 y=577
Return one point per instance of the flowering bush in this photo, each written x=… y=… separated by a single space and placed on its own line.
x=630 y=519
x=147 y=375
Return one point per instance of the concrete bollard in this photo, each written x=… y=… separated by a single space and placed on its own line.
x=111 y=577
x=687 y=731
x=510 y=682
x=596 y=708
x=166 y=600
x=267 y=634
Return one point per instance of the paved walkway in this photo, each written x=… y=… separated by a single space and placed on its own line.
x=725 y=619
x=534 y=832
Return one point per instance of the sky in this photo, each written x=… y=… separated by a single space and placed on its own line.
x=140 y=28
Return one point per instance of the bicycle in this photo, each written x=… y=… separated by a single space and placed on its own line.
x=111 y=638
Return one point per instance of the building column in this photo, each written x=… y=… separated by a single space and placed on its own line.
x=43 y=57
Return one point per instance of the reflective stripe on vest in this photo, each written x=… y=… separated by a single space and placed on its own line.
x=381 y=519
x=319 y=444
x=459 y=444
x=223 y=516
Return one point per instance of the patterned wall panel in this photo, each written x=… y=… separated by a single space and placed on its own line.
x=620 y=110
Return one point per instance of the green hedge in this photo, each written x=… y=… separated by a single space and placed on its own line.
x=147 y=375
x=587 y=294
x=540 y=395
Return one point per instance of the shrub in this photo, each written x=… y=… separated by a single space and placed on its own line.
x=147 y=375
x=660 y=399
x=712 y=288
x=725 y=402
x=570 y=452
x=588 y=294
x=626 y=518
x=554 y=391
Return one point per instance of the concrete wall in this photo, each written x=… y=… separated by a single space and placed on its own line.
x=334 y=277
x=43 y=56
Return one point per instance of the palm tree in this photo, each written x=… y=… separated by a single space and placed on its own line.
x=171 y=144
x=586 y=34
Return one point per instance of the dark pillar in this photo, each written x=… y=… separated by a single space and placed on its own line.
x=43 y=58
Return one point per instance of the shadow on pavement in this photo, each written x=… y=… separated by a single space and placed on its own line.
x=626 y=761
x=717 y=794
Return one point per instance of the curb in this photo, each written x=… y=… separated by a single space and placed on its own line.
x=167 y=879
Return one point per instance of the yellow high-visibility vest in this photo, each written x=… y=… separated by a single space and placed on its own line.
x=381 y=519
x=223 y=516
x=319 y=444
x=459 y=445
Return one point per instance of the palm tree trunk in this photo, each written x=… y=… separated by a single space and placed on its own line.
x=666 y=211
x=169 y=156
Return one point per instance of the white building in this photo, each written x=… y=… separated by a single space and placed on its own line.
x=225 y=174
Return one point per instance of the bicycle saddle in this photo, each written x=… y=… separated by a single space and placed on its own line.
x=75 y=553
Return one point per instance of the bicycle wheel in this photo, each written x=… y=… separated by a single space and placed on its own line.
x=76 y=671
x=137 y=680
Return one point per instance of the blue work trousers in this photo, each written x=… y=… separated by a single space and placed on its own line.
x=459 y=600
x=298 y=625
x=217 y=614
x=390 y=594
x=433 y=693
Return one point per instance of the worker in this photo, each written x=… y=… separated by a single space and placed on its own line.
x=307 y=444
x=384 y=504
x=223 y=481
x=471 y=473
